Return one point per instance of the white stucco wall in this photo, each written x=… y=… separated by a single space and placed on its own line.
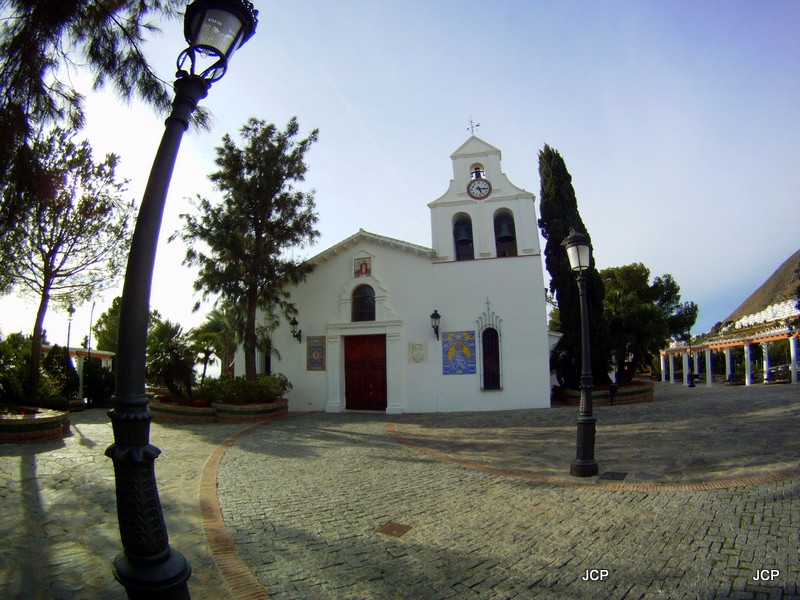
x=409 y=286
x=403 y=285
x=515 y=291
x=410 y=282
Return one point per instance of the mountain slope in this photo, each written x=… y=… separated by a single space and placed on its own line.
x=778 y=288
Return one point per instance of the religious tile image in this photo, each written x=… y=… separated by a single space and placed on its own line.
x=458 y=353
x=315 y=358
x=362 y=267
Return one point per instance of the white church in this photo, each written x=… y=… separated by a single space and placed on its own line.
x=387 y=325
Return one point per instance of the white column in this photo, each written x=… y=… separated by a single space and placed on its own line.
x=748 y=376
x=663 y=367
x=765 y=348
x=685 y=368
x=335 y=374
x=793 y=357
x=709 y=370
x=672 y=368
x=728 y=363
x=394 y=374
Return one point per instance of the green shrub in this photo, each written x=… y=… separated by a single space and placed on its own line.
x=237 y=390
x=53 y=403
x=15 y=358
x=98 y=382
x=62 y=374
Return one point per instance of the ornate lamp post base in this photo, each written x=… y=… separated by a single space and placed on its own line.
x=584 y=464
x=164 y=580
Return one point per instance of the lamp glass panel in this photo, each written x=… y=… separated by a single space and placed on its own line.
x=578 y=257
x=219 y=30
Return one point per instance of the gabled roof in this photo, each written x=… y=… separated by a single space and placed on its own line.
x=364 y=236
x=475 y=145
x=77 y=352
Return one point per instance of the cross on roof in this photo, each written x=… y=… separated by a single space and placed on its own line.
x=472 y=125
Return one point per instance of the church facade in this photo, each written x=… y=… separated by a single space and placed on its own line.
x=387 y=325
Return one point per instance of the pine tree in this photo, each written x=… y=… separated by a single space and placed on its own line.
x=43 y=43
x=559 y=215
x=75 y=237
x=106 y=327
x=642 y=316
x=260 y=216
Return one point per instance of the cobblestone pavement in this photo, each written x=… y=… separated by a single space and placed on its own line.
x=710 y=502
x=686 y=439
x=304 y=498
x=58 y=518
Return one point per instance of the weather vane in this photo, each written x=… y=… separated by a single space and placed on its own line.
x=472 y=125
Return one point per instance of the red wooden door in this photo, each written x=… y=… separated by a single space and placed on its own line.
x=365 y=372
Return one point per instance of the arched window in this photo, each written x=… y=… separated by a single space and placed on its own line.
x=363 y=304
x=462 y=236
x=505 y=234
x=490 y=345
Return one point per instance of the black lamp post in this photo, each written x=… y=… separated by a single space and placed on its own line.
x=70 y=314
x=148 y=568
x=579 y=253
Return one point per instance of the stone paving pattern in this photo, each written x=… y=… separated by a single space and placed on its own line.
x=58 y=514
x=688 y=438
x=303 y=501
x=711 y=499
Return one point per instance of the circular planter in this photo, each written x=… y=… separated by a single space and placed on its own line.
x=43 y=424
x=238 y=413
x=167 y=412
x=639 y=391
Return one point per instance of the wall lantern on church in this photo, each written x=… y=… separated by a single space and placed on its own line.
x=296 y=333
x=435 y=320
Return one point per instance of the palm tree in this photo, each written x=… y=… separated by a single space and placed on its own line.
x=171 y=359
x=216 y=336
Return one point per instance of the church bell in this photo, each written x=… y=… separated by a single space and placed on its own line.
x=505 y=231
x=462 y=233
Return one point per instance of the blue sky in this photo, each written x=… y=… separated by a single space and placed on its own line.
x=679 y=123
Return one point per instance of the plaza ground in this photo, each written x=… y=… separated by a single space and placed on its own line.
x=698 y=497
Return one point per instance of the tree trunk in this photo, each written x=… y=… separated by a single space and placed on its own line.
x=250 y=340
x=206 y=358
x=36 y=343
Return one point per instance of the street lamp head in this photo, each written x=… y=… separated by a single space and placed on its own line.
x=214 y=30
x=579 y=251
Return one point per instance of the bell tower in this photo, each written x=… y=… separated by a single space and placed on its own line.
x=482 y=214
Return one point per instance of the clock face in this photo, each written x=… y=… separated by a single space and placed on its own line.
x=479 y=188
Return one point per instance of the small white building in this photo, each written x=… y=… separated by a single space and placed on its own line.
x=366 y=339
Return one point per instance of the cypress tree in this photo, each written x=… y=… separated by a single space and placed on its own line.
x=559 y=215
